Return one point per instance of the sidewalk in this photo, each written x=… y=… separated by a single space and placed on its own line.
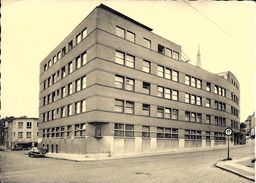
x=105 y=156
x=242 y=167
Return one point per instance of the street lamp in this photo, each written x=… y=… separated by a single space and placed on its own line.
x=228 y=132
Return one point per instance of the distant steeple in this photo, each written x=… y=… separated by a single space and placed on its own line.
x=198 y=61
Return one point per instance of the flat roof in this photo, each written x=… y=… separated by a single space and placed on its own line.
x=102 y=6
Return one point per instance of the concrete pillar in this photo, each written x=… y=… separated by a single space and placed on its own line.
x=212 y=143
x=153 y=144
x=109 y=142
x=181 y=143
x=138 y=144
x=203 y=143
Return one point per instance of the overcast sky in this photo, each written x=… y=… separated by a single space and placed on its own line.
x=32 y=28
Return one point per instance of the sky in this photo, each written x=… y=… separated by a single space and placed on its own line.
x=225 y=31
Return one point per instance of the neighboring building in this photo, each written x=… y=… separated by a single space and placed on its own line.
x=250 y=125
x=113 y=86
x=20 y=131
x=1 y=132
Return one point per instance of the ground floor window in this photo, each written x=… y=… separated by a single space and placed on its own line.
x=123 y=130
x=167 y=133
x=219 y=136
x=80 y=130
x=208 y=136
x=193 y=134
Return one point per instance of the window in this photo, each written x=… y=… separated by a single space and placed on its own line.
x=193 y=82
x=63 y=51
x=192 y=117
x=62 y=111
x=187 y=80
x=80 y=130
x=50 y=63
x=146 y=66
x=69 y=110
x=130 y=36
x=129 y=107
x=45 y=67
x=119 y=82
x=83 y=58
x=58 y=55
x=78 y=107
x=167 y=73
x=160 y=71
x=146 y=87
x=192 y=99
x=126 y=130
x=167 y=93
x=168 y=52
x=29 y=125
x=187 y=98
x=219 y=136
x=175 y=95
x=119 y=58
x=160 y=112
x=199 y=117
x=78 y=85
x=78 y=62
x=175 y=113
x=208 y=86
x=167 y=113
x=208 y=135
x=70 y=45
x=53 y=114
x=146 y=109
x=147 y=43
x=129 y=130
x=70 y=89
x=167 y=133
x=20 y=125
x=119 y=129
x=20 y=135
x=119 y=106
x=63 y=92
x=208 y=102
x=63 y=72
x=28 y=135
x=199 y=83
x=161 y=49
x=70 y=67
x=175 y=55
x=193 y=134
x=130 y=61
x=78 y=38
x=83 y=82
x=84 y=33
x=120 y=32
x=129 y=84
x=160 y=132
x=175 y=76
x=146 y=131
x=160 y=91
x=83 y=105
x=198 y=100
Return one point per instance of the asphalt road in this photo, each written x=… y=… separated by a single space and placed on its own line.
x=195 y=167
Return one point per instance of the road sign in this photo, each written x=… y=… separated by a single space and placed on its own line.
x=228 y=131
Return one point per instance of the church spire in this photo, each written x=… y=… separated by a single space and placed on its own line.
x=198 y=61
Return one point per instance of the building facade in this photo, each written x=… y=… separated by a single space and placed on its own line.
x=113 y=86
x=20 y=131
x=250 y=125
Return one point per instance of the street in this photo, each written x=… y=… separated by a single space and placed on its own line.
x=184 y=168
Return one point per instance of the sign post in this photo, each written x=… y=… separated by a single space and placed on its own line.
x=228 y=132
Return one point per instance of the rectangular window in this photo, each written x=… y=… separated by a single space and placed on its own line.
x=83 y=105
x=187 y=98
x=147 y=43
x=78 y=85
x=63 y=51
x=54 y=59
x=50 y=63
x=193 y=117
x=167 y=93
x=160 y=71
x=192 y=99
x=175 y=55
x=198 y=100
x=160 y=132
x=208 y=102
x=208 y=135
x=129 y=107
x=160 y=91
x=193 y=82
x=160 y=112
x=78 y=38
x=80 y=130
x=70 y=45
x=69 y=110
x=78 y=62
x=130 y=61
x=119 y=130
x=45 y=67
x=84 y=33
x=175 y=95
x=78 y=107
x=208 y=86
x=215 y=89
x=63 y=72
x=146 y=66
x=62 y=111
x=146 y=131
x=29 y=125
x=28 y=135
x=129 y=130
x=199 y=117
x=119 y=58
x=20 y=135
x=161 y=49
x=84 y=58
x=187 y=80
x=130 y=36
x=20 y=125
x=175 y=76
x=168 y=52
x=199 y=83
x=119 y=106
x=83 y=82
x=167 y=113
x=146 y=87
x=63 y=92
x=129 y=84
x=146 y=109
x=120 y=32
x=119 y=82
x=70 y=89
x=167 y=73
x=58 y=55
x=175 y=113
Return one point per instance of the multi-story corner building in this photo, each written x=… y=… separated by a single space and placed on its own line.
x=20 y=131
x=250 y=125
x=114 y=86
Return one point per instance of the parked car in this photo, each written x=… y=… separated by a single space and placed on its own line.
x=17 y=148
x=2 y=148
x=36 y=153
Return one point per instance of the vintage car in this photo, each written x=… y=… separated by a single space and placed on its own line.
x=37 y=152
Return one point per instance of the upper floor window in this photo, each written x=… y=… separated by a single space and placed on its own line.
x=175 y=55
x=168 y=52
x=70 y=45
x=208 y=102
x=119 y=81
x=146 y=109
x=147 y=43
x=79 y=38
x=127 y=60
x=145 y=131
x=146 y=87
x=29 y=125
x=20 y=125
x=119 y=58
x=175 y=76
x=58 y=55
x=54 y=59
x=119 y=105
x=160 y=112
x=120 y=32
x=146 y=66
x=129 y=107
x=160 y=71
x=130 y=36
x=161 y=49
x=28 y=135
x=208 y=86
x=84 y=33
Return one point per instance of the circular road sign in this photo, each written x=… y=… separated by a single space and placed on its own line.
x=228 y=131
